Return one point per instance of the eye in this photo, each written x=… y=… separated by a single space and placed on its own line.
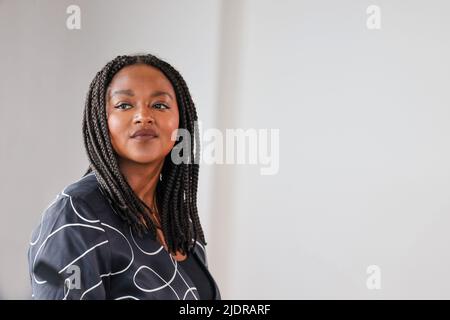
x=123 y=106
x=160 y=106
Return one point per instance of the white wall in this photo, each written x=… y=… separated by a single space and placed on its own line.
x=364 y=153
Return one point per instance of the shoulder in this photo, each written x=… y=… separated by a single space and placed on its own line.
x=80 y=205
x=69 y=231
x=82 y=200
x=72 y=218
x=86 y=191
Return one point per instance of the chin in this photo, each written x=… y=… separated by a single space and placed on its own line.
x=146 y=160
x=141 y=157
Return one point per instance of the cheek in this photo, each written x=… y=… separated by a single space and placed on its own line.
x=114 y=127
x=170 y=126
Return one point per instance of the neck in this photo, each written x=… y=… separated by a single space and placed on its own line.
x=142 y=178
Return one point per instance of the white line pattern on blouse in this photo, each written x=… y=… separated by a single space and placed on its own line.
x=90 y=289
x=55 y=232
x=131 y=249
x=142 y=250
x=82 y=255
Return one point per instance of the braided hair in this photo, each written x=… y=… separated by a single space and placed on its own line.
x=176 y=190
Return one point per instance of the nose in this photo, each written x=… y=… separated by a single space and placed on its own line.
x=144 y=114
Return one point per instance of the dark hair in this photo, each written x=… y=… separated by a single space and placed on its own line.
x=176 y=191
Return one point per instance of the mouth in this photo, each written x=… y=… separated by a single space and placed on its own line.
x=144 y=137
x=145 y=134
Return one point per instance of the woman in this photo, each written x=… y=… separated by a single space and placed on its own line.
x=129 y=228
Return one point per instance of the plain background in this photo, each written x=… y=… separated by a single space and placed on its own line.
x=363 y=116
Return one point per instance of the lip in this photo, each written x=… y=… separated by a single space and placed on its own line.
x=144 y=134
x=145 y=137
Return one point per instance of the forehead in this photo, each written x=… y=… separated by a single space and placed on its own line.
x=140 y=77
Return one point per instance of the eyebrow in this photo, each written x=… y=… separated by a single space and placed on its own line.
x=130 y=93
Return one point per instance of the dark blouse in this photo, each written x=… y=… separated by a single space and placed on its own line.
x=204 y=285
x=82 y=249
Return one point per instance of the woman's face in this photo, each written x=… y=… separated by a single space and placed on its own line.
x=141 y=97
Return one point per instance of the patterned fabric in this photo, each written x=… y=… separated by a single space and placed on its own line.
x=82 y=249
